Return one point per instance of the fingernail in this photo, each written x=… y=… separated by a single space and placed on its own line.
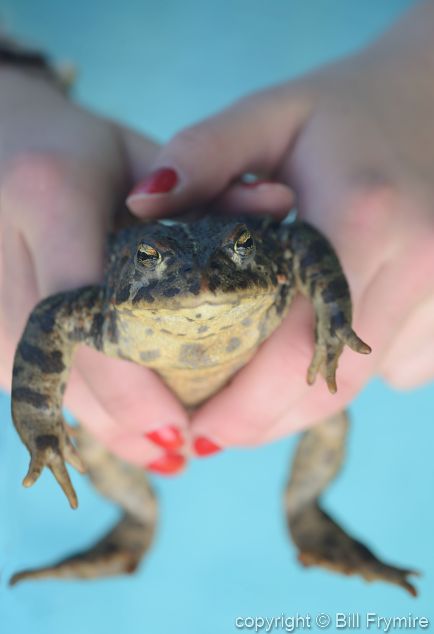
x=255 y=183
x=169 y=464
x=168 y=437
x=205 y=447
x=161 y=181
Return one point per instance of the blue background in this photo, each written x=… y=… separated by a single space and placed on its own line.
x=222 y=549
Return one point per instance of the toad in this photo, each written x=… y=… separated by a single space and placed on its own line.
x=193 y=301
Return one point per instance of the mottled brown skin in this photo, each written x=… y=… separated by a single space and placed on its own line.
x=121 y=550
x=193 y=302
x=319 y=539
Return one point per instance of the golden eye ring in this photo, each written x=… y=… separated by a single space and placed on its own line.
x=147 y=254
x=244 y=243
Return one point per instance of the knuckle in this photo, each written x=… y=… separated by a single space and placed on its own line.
x=369 y=208
x=196 y=143
x=33 y=180
x=372 y=198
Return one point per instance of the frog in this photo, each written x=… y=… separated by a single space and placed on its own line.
x=193 y=300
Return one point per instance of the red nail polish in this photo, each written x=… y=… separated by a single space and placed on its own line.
x=168 y=437
x=205 y=447
x=169 y=464
x=161 y=181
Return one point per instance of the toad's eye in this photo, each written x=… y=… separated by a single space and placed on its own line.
x=244 y=243
x=147 y=255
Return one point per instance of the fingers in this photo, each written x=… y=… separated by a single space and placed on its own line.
x=137 y=400
x=314 y=407
x=407 y=364
x=64 y=211
x=200 y=162
x=282 y=404
x=271 y=385
x=80 y=400
x=412 y=371
x=409 y=361
x=18 y=294
x=260 y=196
x=131 y=445
x=139 y=151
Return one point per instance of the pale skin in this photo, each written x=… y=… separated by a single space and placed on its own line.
x=63 y=173
x=360 y=135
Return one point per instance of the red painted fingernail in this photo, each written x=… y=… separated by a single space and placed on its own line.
x=161 y=181
x=169 y=464
x=168 y=437
x=205 y=447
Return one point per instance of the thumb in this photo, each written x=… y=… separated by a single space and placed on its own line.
x=201 y=161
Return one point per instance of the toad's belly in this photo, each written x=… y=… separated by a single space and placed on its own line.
x=196 y=349
x=194 y=386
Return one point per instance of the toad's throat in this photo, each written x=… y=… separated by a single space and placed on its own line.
x=196 y=349
x=195 y=316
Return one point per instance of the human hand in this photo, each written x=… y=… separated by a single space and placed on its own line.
x=63 y=172
x=355 y=141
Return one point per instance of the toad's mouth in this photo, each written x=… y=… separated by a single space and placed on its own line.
x=190 y=302
x=214 y=312
x=201 y=303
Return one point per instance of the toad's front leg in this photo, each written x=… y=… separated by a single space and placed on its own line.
x=320 y=277
x=41 y=367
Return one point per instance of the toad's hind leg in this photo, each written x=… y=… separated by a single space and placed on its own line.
x=319 y=539
x=122 y=548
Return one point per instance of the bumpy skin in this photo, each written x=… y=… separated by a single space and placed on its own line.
x=322 y=542
x=193 y=302
x=121 y=550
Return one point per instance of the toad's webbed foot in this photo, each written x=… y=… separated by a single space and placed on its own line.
x=320 y=277
x=41 y=368
x=123 y=547
x=329 y=344
x=322 y=542
x=119 y=552
x=319 y=539
x=51 y=449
